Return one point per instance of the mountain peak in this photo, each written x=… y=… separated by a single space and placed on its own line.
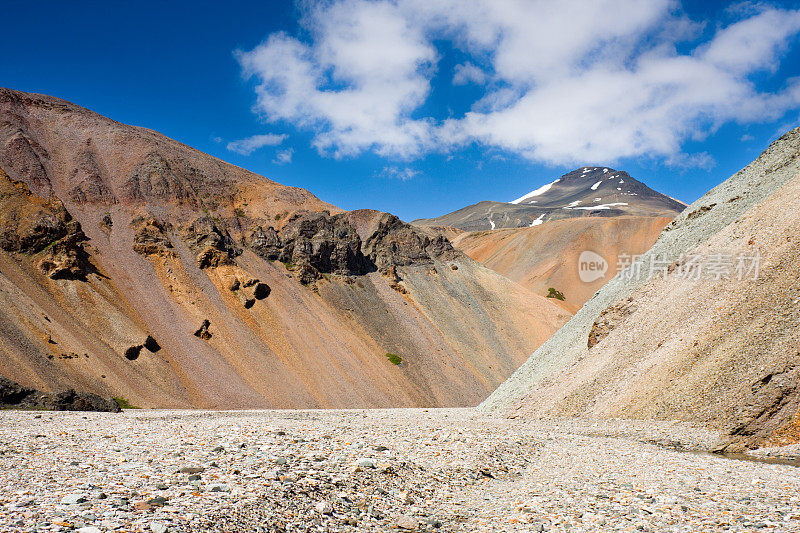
x=585 y=191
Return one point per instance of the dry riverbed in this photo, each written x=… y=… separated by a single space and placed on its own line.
x=384 y=470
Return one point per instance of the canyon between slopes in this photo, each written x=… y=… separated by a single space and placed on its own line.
x=298 y=367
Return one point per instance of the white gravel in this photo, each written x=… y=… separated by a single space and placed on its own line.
x=383 y=470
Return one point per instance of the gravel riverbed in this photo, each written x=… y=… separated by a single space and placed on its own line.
x=378 y=470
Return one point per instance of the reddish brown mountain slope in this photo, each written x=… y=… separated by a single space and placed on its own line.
x=546 y=255
x=132 y=265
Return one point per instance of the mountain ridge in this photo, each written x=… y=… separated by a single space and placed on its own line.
x=134 y=266
x=585 y=191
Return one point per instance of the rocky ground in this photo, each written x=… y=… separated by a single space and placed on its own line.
x=426 y=470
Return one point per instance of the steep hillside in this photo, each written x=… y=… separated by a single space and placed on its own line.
x=584 y=192
x=134 y=266
x=547 y=255
x=705 y=328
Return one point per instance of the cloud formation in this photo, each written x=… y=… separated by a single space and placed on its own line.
x=402 y=174
x=249 y=145
x=586 y=81
x=284 y=156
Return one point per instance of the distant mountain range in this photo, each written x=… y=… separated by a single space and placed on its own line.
x=584 y=192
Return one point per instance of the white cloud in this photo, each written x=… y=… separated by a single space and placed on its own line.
x=403 y=174
x=468 y=73
x=284 y=156
x=579 y=81
x=250 y=144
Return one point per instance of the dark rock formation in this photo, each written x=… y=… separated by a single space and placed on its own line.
x=396 y=243
x=213 y=245
x=312 y=244
x=151 y=344
x=30 y=225
x=203 y=332
x=321 y=243
x=266 y=243
x=66 y=258
x=261 y=291
x=15 y=396
x=132 y=353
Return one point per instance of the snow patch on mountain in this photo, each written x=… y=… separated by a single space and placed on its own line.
x=601 y=206
x=541 y=190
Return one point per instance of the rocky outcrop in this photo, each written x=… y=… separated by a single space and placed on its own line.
x=30 y=225
x=15 y=396
x=90 y=188
x=21 y=159
x=155 y=179
x=396 y=243
x=151 y=237
x=265 y=243
x=609 y=319
x=213 y=245
x=312 y=244
x=66 y=258
x=320 y=243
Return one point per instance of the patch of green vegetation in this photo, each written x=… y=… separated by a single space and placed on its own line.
x=394 y=358
x=239 y=212
x=553 y=293
x=278 y=216
x=125 y=404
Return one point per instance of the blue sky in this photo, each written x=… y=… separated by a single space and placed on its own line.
x=419 y=107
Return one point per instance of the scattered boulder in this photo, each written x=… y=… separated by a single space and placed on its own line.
x=132 y=353
x=151 y=344
x=73 y=499
x=261 y=291
x=203 y=332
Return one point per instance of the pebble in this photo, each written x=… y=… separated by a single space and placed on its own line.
x=73 y=499
x=444 y=470
x=366 y=462
x=158 y=527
